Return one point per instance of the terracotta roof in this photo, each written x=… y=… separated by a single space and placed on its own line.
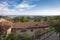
x=30 y=24
x=4 y=22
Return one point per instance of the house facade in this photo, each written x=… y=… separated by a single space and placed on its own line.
x=29 y=27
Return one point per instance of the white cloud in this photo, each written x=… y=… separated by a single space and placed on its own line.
x=5 y=11
x=21 y=7
x=24 y=6
x=43 y=12
x=3 y=6
x=36 y=12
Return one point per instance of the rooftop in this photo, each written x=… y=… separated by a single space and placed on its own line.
x=4 y=22
x=30 y=24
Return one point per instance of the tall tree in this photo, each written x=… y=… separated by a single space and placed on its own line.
x=37 y=20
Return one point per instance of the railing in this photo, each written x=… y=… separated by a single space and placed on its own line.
x=46 y=35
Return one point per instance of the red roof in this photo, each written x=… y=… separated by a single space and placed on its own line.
x=5 y=24
x=30 y=24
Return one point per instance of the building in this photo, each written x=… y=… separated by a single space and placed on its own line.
x=20 y=27
x=5 y=26
x=29 y=27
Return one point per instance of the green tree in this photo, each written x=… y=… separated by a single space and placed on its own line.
x=17 y=19
x=24 y=19
x=37 y=20
x=55 y=27
x=12 y=37
x=47 y=18
x=26 y=36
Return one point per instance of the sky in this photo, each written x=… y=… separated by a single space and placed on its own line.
x=30 y=7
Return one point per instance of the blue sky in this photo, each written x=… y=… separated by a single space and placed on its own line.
x=29 y=7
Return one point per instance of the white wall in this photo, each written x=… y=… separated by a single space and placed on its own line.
x=31 y=33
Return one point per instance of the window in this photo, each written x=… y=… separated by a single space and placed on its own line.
x=31 y=30
x=23 y=30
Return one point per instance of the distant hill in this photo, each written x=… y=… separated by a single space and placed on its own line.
x=14 y=16
x=3 y=16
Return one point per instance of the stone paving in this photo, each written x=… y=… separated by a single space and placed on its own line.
x=53 y=37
